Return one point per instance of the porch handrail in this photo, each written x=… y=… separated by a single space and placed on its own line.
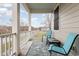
x=1 y=35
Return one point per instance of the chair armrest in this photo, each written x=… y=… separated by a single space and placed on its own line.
x=56 y=42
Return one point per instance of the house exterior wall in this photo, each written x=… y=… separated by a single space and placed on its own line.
x=68 y=22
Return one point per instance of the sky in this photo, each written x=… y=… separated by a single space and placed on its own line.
x=37 y=20
x=5 y=14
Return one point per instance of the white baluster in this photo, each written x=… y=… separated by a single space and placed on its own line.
x=11 y=44
x=1 y=46
x=5 y=45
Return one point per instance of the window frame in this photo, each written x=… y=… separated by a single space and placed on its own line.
x=56 y=18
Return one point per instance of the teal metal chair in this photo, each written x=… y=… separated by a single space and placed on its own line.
x=48 y=36
x=65 y=49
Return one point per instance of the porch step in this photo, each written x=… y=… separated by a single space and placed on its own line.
x=25 y=48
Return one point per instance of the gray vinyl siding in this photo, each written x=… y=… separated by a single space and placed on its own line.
x=68 y=21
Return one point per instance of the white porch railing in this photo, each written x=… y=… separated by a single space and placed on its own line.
x=6 y=44
x=24 y=38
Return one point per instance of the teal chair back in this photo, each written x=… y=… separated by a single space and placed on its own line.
x=69 y=42
x=49 y=33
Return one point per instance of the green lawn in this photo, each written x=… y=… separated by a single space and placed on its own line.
x=39 y=34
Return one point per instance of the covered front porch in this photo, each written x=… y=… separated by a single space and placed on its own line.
x=29 y=43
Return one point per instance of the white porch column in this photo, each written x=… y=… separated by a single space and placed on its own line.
x=29 y=18
x=29 y=24
x=16 y=27
x=50 y=20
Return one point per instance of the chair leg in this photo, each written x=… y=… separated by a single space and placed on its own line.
x=50 y=53
x=42 y=39
x=46 y=40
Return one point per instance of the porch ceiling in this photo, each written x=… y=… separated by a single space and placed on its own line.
x=41 y=7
